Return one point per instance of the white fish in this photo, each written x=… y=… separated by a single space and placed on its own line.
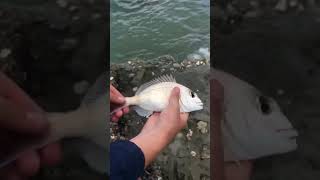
x=154 y=97
x=254 y=125
x=88 y=123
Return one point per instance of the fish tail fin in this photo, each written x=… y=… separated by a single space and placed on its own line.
x=129 y=101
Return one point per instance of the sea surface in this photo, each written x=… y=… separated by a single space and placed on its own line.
x=147 y=29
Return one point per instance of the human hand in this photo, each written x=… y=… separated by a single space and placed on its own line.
x=116 y=101
x=161 y=128
x=20 y=115
x=223 y=170
x=170 y=121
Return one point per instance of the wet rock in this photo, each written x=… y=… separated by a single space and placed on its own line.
x=73 y=8
x=252 y=14
x=69 y=43
x=193 y=153
x=189 y=134
x=281 y=6
x=81 y=87
x=176 y=65
x=75 y=18
x=62 y=3
x=134 y=89
x=4 y=53
x=96 y=16
x=205 y=152
x=202 y=127
x=131 y=75
x=138 y=77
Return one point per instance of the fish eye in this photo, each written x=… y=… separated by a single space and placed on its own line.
x=264 y=105
x=192 y=94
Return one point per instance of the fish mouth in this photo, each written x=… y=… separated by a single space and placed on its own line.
x=200 y=104
x=285 y=129
x=291 y=133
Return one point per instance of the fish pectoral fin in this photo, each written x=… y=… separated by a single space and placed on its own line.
x=142 y=112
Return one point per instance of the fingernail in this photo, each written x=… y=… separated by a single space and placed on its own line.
x=37 y=119
x=177 y=90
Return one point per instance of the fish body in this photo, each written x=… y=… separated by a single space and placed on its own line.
x=254 y=125
x=88 y=124
x=154 y=97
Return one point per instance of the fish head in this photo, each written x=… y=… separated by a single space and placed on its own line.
x=254 y=125
x=273 y=131
x=257 y=127
x=189 y=100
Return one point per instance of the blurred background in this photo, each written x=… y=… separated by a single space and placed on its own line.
x=275 y=46
x=55 y=49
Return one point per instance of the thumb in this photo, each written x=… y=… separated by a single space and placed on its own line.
x=174 y=99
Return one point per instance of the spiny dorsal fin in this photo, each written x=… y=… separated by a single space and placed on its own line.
x=161 y=79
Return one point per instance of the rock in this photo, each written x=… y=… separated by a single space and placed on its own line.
x=96 y=16
x=189 y=134
x=5 y=52
x=134 y=89
x=69 y=43
x=281 y=6
x=193 y=153
x=138 y=77
x=293 y=3
x=73 y=8
x=176 y=65
x=75 y=18
x=62 y=3
x=81 y=87
x=218 y=13
x=254 y=4
x=252 y=14
x=280 y=92
x=202 y=127
x=205 y=152
x=131 y=75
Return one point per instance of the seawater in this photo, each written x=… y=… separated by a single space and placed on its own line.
x=146 y=29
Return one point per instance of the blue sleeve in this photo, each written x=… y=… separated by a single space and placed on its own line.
x=126 y=161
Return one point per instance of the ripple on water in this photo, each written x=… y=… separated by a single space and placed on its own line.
x=150 y=28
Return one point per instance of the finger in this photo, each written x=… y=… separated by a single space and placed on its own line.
x=119 y=114
x=114 y=119
x=115 y=96
x=184 y=116
x=217 y=90
x=13 y=176
x=16 y=119
x=126 y=110
x=13 y=92
x=9 y=172
x=29 y=163
x=174 y=100
x=51 y=154
x=216 y=97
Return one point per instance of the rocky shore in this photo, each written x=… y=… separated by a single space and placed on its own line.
x=188 y=156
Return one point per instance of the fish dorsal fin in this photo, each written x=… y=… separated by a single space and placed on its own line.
x=161 y=79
